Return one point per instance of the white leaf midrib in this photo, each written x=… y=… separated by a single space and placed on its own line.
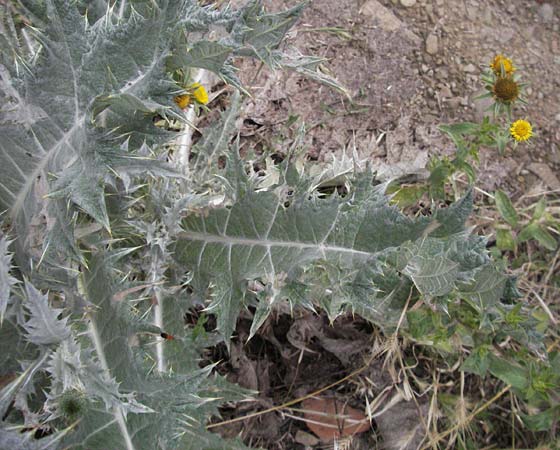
x=270 y=243
x=117 y=411
x=22 y=194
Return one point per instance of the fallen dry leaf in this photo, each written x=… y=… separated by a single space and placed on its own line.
x=330 y=419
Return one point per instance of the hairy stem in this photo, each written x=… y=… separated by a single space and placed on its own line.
x=117 y=412
x=184 y=142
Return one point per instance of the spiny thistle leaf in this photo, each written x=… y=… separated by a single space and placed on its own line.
x=78 y=119
x=15 y=439
x=340 y=249
x=160 y=409
x=91 y=86
x=6 y=280
x=43 y=325
x=260 y=33
x=215 y=142
x=203 y=55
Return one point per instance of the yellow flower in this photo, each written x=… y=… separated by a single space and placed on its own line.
x=194 y=92
x=183 y=100
x=506 y=90
x=499 y=61
x=521 y=130
x=199 y=93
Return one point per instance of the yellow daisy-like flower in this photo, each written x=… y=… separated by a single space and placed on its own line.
x=195 y=92
x=521 y=130
x=506 y=90
x=183 y=100
x=499 y=61
x=199 y=93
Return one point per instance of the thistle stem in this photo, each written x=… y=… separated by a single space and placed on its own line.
x=117 y=411
x=184 y=142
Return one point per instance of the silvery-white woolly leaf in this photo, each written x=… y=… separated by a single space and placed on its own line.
x=74 y=103
x=97 y=78
x=51 y=131
x=266 y=235
x=160 y=409
x=23 y=382
x=73 y=369
x=196 y=18
x=215 y=141
x=260 y=33
x=486 y=288
x=436 y=265
x=64 y=367
x=430 y=268
x=14 y=439
x=186 y=202
x=310 y=67
x=340 y=168
x=433 y=275
x=203 y=55
x=19 y=348
x=6 y=280
x=43 y=325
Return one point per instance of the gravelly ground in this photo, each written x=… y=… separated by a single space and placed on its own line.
x=409 y=69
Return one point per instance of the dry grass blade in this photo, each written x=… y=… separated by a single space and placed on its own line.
x=483 y=407
x=376 y=352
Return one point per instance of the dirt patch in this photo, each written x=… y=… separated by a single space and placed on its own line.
x=409 y=69
x=304 y=357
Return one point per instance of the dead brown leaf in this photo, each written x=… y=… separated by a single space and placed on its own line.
x=330 y=419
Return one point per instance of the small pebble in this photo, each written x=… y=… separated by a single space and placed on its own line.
x=546 y=12
x=431 y=44
x=445 y=92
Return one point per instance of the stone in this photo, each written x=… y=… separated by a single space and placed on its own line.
x=546 y=12
x=306 y=439
x=442 y=73
x=545 y=173
x=554 y=155
x=505 y=35
x=408 y=3
x=386 y=20
x=445 y=92
x=431 y=44
x=469 y=68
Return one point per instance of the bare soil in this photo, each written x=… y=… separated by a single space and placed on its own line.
x=401 y=93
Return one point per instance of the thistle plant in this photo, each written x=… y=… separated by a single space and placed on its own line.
x=116 y=224
x=93 y=187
